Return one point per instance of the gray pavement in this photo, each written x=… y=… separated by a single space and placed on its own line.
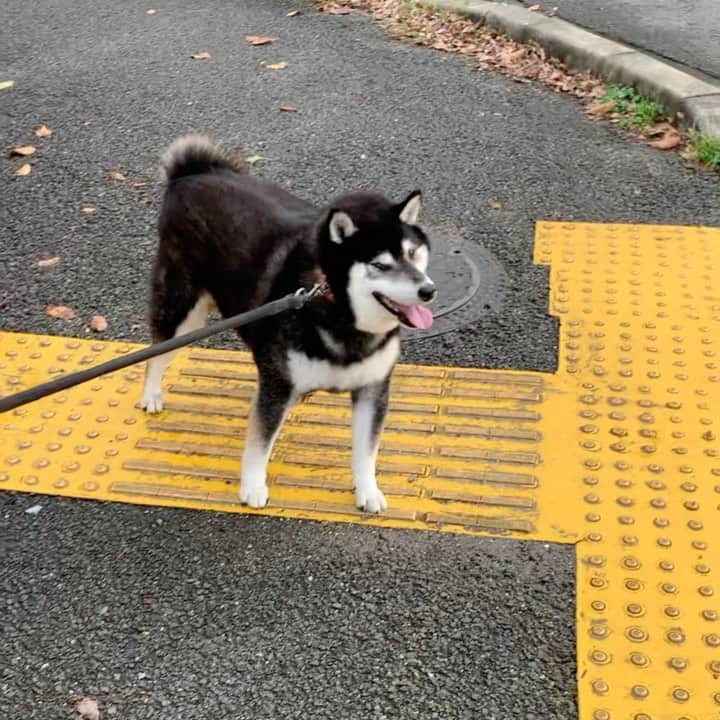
x=171 y=614
x=684 y=31
x=138 y=605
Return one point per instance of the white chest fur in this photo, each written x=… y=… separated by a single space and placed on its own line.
x=309 y=374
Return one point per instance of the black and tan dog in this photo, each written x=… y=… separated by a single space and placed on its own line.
x=237 y=242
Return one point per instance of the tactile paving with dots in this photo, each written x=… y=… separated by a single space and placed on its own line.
x=640 y=329
x=616 y=452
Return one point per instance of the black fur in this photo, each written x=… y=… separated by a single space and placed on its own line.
x=246 y=242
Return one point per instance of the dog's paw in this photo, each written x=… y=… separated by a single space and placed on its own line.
x=256 y=496
x=370 y=500
x=152 y=402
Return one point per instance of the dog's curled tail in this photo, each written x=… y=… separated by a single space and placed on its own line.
x=195 y=155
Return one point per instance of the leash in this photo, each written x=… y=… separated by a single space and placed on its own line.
x=293 y=301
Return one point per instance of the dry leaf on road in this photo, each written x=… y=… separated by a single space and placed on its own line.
x=254 y=159
x=602 y=109
x=60 y=311
x=276 y=66
x=201 y=56
x=88 y=709
x=294 y=13
x=24 y=151
x=259 y=39
x=48 y=262
x=534 y=8
x=98 y=323
x=24 y=170
x=115 y=175
x=7 y=84
x=88 y=209
x=658 y=129
x=43 y=131
x=151 y=11
x=671 y=139
x=286 y=107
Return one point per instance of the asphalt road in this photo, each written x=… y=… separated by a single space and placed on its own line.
x=167 y=614
x=178 y=614
x=685 y=31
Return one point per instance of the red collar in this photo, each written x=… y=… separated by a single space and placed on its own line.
x=327 y=293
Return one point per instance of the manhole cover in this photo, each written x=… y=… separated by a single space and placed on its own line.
x=469 y=281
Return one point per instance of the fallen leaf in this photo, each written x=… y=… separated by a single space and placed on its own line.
x=88 y=209
x=43 y=131
x=659 y=129
x=288 y=108
x=276 y=66
x=671 y=139
x=25 y=150
x=88 y=709
x=115 y=175
x=7 y=84
x=151 y=11
x=259 y=39
x=48 y=262
x=253 y=159
x=495 y=205
x=517 y=55
x=24 y=170
x=98 y=323
x=60 y=312
x=201 y=56
x=534 y=8
x=338 y=11
x=294 y=13
x=602 y=109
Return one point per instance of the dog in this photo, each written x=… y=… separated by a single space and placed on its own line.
x=236 y=242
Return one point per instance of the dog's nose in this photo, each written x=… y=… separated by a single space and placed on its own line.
x=427 y=292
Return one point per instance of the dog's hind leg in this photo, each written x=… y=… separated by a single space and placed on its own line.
x=167 y=323
x=370 y=405
x=272 y=403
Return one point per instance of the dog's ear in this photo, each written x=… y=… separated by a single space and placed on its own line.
x=340 y=226
x=409 y=209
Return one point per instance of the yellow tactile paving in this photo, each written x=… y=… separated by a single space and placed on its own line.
x=616 y=452
x=640 y=314
x=461 y=449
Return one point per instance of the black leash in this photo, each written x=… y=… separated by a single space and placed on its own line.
x=294 y=301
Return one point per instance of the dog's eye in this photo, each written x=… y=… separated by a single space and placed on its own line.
x=382 y=267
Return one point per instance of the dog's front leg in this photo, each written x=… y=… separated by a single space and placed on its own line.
x=272 y=403
x=369 y=410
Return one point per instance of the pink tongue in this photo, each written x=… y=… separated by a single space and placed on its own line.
x=418 y=316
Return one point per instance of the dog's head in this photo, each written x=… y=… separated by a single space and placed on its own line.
x=376 y=257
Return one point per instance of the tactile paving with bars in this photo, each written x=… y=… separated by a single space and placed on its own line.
x=616 y=452
x=460 y=452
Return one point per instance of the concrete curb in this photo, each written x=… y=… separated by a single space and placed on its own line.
x=678 y=91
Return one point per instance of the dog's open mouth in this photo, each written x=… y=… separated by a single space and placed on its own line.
x=412 y=316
